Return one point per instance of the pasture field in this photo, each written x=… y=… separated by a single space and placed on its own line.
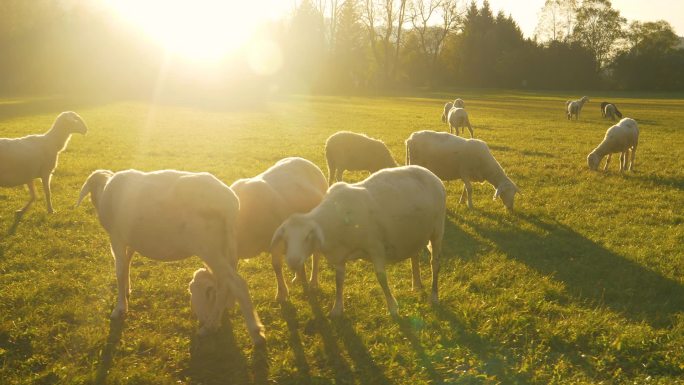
x=583 y=284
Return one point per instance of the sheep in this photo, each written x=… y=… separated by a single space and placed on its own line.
x=35 y=156
x=611 y=111
x=573 y=107
x=389 y=217
x=447 y=108
x=171 y=215
x=622 y=137
x=458 y=117
x=292 y=185
x=451 y=157
x=349 y=151
x=459 y=103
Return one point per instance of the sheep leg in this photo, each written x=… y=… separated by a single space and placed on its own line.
x=129 y=255
x=338 y=175
x=122 y=263
x=470 y=128
x=463 y=195
x=32 y=197
x=607 y=162
x=229 y=282
x=315 y=266
x=435 y=255
x=469 y=190
x=46 y=188
x=277 y=262
x=338 y=306
x=415 y=270
x=631 y=163
x=382 y=279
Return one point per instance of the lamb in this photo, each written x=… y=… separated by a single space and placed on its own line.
x=171 y=215
x=349 y=151
x=622 y=137
x=451 y=157
x=611 y=111
x=447 y=108
x=458 y=117
x=35 y=156
x=575 y=106
x=389 y=217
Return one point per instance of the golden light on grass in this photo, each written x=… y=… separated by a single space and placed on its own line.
x=198 y=30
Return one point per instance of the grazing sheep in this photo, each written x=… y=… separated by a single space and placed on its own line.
x=459 y=103
x=35 y=156
x=447 y=108
x=349 y=151
x=292 y=185
x=458 y=117
x=611 y=112
x=389 y=217
x=575 y=106
x=622 y=137
x=171 y=215
x=451 y=157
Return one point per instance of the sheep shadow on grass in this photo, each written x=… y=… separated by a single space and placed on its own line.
x=589 y=270
x=217 y=359
x=116 y=326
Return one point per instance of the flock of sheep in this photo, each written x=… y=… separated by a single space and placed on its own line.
x=290 y=210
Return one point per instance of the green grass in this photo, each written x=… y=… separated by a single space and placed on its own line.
x=583 y=285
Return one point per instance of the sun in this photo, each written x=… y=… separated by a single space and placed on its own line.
x=198 y=30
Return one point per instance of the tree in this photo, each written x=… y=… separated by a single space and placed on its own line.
x=556 y=20
x=654 y=37
x=350 y=63
x=598 y=27
x=384 y=20
x=431 y=37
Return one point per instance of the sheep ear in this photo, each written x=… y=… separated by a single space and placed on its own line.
x=277 y=237
x=319 y=235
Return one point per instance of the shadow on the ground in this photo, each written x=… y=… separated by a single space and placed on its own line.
x=589 y=270
x=116 y=326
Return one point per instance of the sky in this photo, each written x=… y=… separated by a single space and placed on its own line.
x=526 y=12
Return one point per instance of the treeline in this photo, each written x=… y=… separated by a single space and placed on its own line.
x=354 y=46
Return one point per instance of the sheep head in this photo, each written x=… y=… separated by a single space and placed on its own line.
x=94 y=186
x=593 y=161
x=299 y=237
x=71 y=122
x=506 y=191
x=202 y=290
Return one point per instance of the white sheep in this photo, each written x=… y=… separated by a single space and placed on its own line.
x=349 y=151
x=35 y=156
x=292 y=185
x=459 y=103
x=611 y=111
x=170 y=215
x=573 y=107
x=389 y=217
x=458 y=117
x=445 y=113
x=451 y=157
x=622 y=137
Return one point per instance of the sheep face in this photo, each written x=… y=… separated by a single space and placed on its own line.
x=299 y=237
x=506 y=191
x=202 y=295
x=593 y=161
x=71 y=122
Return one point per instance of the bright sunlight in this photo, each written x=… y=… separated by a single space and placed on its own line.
x=199 y=30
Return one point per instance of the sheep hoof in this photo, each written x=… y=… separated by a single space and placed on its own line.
x=118 y=314
x=335 y=313
x=51 y=211
x=259 y=337
x=313 y=285
x=281 y=296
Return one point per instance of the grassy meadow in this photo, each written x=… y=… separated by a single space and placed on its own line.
x=583 y=284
